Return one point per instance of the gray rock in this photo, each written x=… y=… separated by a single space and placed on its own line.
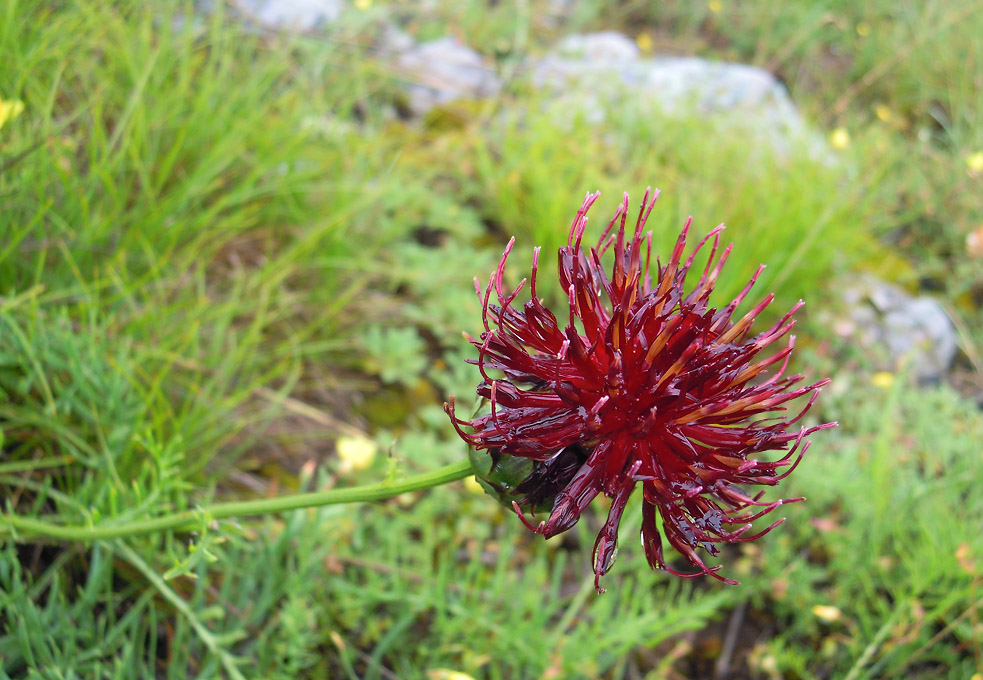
x=608 y=47
x=589 y=73
x=394 y=41
x=443 y=70
x=557 y=12
x=295 y=15
x=907 y=328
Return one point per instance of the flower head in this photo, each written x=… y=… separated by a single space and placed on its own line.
x=640 y=383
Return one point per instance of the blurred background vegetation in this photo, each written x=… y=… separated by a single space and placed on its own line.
x=226 y=267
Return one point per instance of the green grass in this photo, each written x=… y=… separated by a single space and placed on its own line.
x=903 y=79
x=704 y=170
x=219 y=252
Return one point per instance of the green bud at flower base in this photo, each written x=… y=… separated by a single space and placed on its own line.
x=500 y=474
x=520 y=481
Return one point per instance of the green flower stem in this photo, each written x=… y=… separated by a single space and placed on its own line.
x=189 y=519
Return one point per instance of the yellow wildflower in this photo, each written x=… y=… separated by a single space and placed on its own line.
x=447 y=674
x=10 y=110
x=883 y=112
x=974 y=161
x=839 y=138
x=882 y=379
x=863 y=29
x=827 y=613
x=715 y=6
x=644 y=42
x=355 y=453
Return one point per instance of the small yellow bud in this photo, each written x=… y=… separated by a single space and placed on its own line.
x=10 y=110
x=882 y=379
x=355 y=453
x=839 y=139
x=974 y=162
x=827 y=613
x=446 y=674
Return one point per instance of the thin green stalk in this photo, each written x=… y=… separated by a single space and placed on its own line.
x=224 y=657
x=189 y=519
x=31 y=465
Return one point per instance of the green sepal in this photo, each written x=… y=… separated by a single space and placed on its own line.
x=500 y=474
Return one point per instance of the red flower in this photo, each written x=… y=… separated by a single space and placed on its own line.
x=641 y=384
